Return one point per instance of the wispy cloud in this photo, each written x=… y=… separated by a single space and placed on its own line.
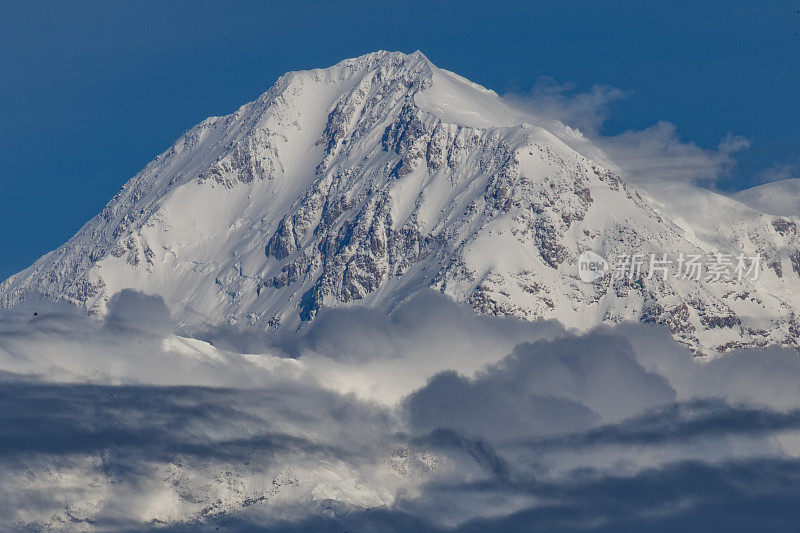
x=551 y=100
x=654 y=155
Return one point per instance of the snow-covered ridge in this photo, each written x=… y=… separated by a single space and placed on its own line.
x=777 y=198
x=385 y=175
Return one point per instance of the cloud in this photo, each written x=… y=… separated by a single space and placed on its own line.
x=656 y=155
x=482 y=408
x=430 y=418
x=677 y=423
x=550 y=100
x=734 y=496
x=133 y=344
x=383 y=356
x=542 y=388
x=114 y=454
x=132 y=310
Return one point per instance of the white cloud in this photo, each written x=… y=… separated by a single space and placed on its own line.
x=658 y=155
x=655 y=155
x=550 y=100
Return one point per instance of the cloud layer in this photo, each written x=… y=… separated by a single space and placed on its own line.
x=429 y=419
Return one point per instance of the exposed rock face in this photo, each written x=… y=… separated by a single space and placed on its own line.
x=384 y=175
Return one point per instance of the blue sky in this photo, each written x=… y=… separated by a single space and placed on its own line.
x=93 y=91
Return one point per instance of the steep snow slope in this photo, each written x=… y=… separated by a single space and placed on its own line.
x=777 y=198
x=384 y=175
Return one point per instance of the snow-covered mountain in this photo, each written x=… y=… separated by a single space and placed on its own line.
x=384 y=175
x=777 y=198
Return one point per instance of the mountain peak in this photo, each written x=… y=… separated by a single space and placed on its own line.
x=387 y=65
x=388 y=57
x=383 y=175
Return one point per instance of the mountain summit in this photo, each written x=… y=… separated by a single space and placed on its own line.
x=383 y=175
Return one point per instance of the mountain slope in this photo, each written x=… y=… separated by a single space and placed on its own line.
x=778 y=197
x=384 y=175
